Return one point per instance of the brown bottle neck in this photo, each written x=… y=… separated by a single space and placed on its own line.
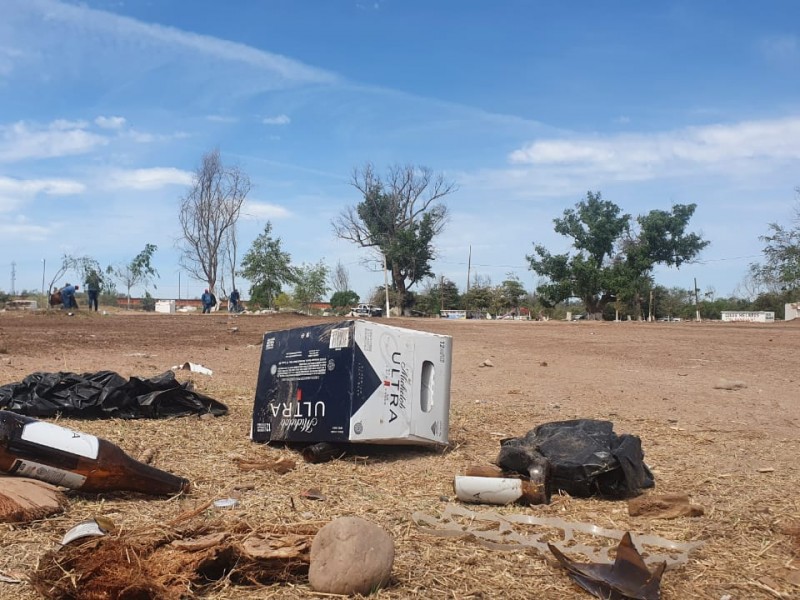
x=119 y=471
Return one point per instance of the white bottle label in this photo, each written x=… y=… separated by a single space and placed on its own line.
x=68 y=479
x=61 y=438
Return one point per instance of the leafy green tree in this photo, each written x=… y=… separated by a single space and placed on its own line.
x=148 y=303
x=480 y=297
x=661 y=238
x=446 y=295
x=780 y=272
x=377 y=297
x=282 y=301
x=267 y=267
x=512 y=292
x=311 y=284
x=612 y=256
x=712 y=308
x=774 y=301
x=344 y=300
x=399 y=217
x=673 y=302
x=139 y=271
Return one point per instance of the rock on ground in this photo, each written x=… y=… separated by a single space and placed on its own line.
x=350 y=556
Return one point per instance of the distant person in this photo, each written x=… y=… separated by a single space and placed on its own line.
x=93 y=284
x=234 y=301
x=68 y=296
x=208 y=301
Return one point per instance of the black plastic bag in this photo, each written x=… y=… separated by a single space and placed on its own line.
x=586 y=458
x=105 y=394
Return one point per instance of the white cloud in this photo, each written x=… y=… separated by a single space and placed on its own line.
x=221 y=119
x=782 y=49
x=16 y=192
x=31 y=187
x=121 y=28
x=23 y=229
x=143 y=137
x=21 y=140
x=642 y=156
x=110 y=122
x=262 y=210
x=147 y=179
x=277 y=120
x=8 y=58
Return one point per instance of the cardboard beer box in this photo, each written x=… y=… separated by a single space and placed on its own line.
x=353 y=381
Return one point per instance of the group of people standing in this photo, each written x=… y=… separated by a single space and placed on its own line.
x=209 y=301
x=94 y=282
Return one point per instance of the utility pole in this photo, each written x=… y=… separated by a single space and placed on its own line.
x=469 y=266
x=650 y=308
x=386 y=285
x=13 y=277
x=696 y=301
x=44 y=265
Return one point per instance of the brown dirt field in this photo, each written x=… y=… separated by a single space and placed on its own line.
x=734 y=452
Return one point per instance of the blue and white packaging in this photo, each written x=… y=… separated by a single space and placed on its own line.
x=353 y=381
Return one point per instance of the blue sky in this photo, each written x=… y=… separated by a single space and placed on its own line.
x=107 y=107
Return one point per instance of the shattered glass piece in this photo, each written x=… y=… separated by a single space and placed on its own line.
x=628 y=578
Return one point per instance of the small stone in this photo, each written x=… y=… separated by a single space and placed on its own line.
x=350 y=556
x=487 y=363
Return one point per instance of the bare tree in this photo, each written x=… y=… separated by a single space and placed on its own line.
x=340 y=278
x=208 y=216
x=398 y=217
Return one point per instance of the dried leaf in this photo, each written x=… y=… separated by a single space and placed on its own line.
x=312 y=494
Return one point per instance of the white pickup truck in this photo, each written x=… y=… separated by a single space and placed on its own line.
x=366 y=310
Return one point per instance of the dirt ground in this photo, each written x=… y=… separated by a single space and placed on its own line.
x=733 y=451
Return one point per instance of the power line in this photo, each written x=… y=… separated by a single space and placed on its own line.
x=710 y=260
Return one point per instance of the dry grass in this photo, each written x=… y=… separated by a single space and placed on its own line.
x=714 y=445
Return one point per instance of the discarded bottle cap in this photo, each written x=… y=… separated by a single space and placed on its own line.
x=226 y=503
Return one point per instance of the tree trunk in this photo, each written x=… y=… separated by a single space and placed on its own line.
x=399 y=285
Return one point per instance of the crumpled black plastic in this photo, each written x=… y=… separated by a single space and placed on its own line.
x=586 y=458
x=105 y=394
